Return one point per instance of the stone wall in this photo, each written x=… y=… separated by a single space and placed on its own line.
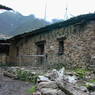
x=3 y=58
x=79 y=46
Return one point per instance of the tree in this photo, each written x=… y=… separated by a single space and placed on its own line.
x=5 y=7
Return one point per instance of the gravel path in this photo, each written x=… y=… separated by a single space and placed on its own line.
x=13 y=87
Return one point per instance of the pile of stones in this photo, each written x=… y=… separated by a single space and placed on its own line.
x=61 y=83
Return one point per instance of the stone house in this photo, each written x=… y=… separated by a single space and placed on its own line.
x=4 y=51
x=70 y=43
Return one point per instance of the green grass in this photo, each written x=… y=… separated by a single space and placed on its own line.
x=92 y=81
x=31 y=90
x=81 y=72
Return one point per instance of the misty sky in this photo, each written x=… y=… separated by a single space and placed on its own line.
x=54 y=9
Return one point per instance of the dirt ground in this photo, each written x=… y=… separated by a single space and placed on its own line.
x=13 y=87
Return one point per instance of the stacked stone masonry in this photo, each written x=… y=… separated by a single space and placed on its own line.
x=79 y=46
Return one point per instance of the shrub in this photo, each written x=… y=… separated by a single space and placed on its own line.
x=26 y=76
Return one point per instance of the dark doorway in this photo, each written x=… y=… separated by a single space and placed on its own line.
x=40 y=51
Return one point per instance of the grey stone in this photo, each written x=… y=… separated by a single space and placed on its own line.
x=83 y=88
x=50 y=84
x=53 y=75
x=37 y=93
x=92 y=93
x=71 y=79
x=69 y=88
x=59 y=92
x=49 y=91
x=42 y=79
x=61 y=73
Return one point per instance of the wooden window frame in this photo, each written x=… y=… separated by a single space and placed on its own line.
x=41 y=52
x=61 y=45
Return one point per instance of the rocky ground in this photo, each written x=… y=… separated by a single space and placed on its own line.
x=64 y=83
x=55 y=82
x=13 y=87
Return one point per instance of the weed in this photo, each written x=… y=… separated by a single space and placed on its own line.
x=92 y=81
x=26 y=76
x=81 y=72
x=32 y=90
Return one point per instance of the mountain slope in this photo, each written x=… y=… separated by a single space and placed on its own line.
x=28 y=24
x=13 y=23
x=8 y=21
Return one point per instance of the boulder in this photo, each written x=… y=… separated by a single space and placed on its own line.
x=10 y=75
x=61 y=73
x=50 y=84
x=70 y=89
x=92 y=93
x=70 y=79
x=53 y=75
x=59 y=92
x=42 y=79
x=83 y=88
x=37 y=93
x=49 y=91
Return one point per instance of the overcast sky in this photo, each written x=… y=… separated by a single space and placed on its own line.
x=54 y=9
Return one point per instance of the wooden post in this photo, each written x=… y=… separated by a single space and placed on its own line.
x=20 y=60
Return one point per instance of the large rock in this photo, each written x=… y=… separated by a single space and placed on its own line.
x=92 y=93
x=70 y=89
x=49 y=91
x=50 y=84
x=53 y=75
x=61 y=73
x=56 y=74
x=42 y=79
x=11 y=75
x=70 y=79
x=37 y=93
x=83 y=88
x=59 y=92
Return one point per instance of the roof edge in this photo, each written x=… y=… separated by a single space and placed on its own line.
x=71 y=21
